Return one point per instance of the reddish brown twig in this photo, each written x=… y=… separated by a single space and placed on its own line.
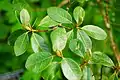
x=104 y=13
x=63 y=3
x=53 y=28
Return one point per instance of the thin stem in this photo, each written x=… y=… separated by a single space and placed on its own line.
x=63 y=3
x=104 y=13
x=29 y=28
x=84 y=64
x=53 y=28
x=65 y=27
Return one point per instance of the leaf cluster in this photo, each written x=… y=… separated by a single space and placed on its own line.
x=76 y=38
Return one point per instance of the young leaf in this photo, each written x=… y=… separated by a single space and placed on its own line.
x=24 y=17
x=59 y=39
x=103 y=59
x=38 y=62
x=85 y=39
x=21 y=44
x=71 y=69
x=87 y=74
x=79 y=14
x=77 y=47
x=51 y=71
x=59 y=15
x=95 y=32
x=48 y=22
x=38 y=43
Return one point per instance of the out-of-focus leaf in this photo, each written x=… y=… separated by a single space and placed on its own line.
x=29 y=75
x=81 y=1
x=4 y=31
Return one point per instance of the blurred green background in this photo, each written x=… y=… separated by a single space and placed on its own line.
x=37 y=8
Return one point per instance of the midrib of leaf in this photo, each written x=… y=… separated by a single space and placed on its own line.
x=37 y=41
x=23 y=39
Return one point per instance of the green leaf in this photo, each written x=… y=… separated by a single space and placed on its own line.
x=70 y=35
x=77 y=47
x=14 y=35
x=71 y=69
x=38 y=62
x=95 y=32
x=103 y=59
x=21 y=44
x=59 y=15
x=38 y=43
x=51 y=71
x=114 y=76
x=17 y=15
x=24 y=17
x=85 y=39
x=104 y=77
x=87 y=74
x=59 y=39
x=48 y=22
x=29 y=75
x=79 y=14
